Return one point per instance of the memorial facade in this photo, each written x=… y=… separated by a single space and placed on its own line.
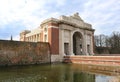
x=66 y=35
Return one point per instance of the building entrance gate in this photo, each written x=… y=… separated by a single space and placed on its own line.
x=66 y=35
x=77 y=43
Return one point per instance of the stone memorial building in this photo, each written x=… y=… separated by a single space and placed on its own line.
x=67 y=35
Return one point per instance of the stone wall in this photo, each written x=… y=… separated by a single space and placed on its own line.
x=94 y=60
x=107 y=54
x=23 y=53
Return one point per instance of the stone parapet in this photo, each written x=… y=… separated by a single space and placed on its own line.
x=94 y=60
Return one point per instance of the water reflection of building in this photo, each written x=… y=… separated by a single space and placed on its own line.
x=83 y=77
x=86 y=77
x=53 y=73
x=73 y=74
x=76 y=76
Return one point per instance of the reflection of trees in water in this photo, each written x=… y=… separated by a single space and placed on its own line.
x=69 y=75
x=83 y=77
x=50 y=73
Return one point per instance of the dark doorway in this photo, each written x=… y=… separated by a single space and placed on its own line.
x=66 y=48
x=77 y=43
x=88 y=49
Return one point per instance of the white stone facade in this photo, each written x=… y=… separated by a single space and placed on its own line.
x=84 y=41
x=69 y=34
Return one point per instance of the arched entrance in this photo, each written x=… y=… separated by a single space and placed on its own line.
x=77 y=43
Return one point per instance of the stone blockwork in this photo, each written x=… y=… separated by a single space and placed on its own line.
x=67 y=35
x=23 y=53
x=94 y=60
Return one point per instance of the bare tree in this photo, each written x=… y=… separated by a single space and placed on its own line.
x=111 y=43
x=101 y=40
x=114 y=42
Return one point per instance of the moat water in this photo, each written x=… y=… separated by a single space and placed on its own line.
x=58 y=73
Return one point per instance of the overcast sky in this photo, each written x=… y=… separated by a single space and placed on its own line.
x=18 y=15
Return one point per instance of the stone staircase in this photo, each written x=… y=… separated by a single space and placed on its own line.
x=94 y=60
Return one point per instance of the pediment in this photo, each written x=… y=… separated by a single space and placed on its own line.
x=76 y=16
x=75 y=19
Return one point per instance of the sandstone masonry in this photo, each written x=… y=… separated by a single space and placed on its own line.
x=67 y=35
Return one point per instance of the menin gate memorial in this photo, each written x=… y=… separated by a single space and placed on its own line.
x=67 y=35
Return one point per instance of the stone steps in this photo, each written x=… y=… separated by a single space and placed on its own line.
x=94 y=60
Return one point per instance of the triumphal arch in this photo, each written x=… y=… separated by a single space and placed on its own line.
x=67 y=35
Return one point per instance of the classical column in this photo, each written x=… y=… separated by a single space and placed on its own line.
x=62 y=41
x=92 y=44
x=84 y=44
x=71 y=43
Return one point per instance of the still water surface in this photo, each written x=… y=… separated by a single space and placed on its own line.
x=56 y=73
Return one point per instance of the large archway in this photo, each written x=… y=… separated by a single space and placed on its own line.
x=77 y=43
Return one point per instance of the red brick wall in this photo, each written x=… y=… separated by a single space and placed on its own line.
x=22 y=53
x=53 y=39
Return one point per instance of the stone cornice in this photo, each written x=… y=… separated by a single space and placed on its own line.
x=74 y=21
x=74 y=25
x=50 y=20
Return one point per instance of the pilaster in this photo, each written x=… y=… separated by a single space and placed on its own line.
x=62 y=33
x=71 y=43
x=84 y=44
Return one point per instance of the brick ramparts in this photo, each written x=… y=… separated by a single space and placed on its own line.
x=23 y=53
x=94 y=60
